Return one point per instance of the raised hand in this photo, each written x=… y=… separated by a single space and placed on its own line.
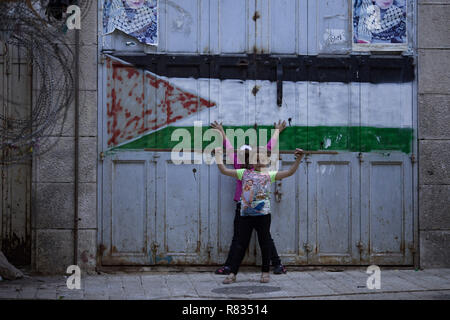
x=218 y=126
x=286 y=173
x=281 y=125
x=299 y=153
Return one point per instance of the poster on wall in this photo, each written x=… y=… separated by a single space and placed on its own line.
x=137 y=18
x=379 y=25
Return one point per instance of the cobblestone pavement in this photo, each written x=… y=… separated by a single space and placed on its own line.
x=402 y=284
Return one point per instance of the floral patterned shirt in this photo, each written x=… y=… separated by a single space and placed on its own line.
x=255 y=196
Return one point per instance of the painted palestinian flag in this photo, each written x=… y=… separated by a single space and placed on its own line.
x=144 y=109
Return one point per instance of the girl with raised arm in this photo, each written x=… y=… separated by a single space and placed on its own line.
x=279 y=268
x=255 y=212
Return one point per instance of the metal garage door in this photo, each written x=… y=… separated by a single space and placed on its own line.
x=352 y=208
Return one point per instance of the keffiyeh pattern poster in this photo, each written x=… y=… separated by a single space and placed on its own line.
x=137 y=18
x=379 y=21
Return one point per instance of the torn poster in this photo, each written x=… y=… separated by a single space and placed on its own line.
x=137 y=18
x=379 y=22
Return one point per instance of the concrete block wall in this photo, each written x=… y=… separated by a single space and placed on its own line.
x=434 y=132
x=54 y=176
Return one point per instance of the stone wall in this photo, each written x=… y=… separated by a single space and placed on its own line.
x=434 y=132
x=54 y=176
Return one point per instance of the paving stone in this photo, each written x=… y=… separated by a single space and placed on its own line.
x=155 y=286
x=8 y=293
x=432 y=295
x=442 y=273
x=424 y=280
x=311 y=284
x=27 y=292
x=46 y=293
x=395 y=284
x=180 y=285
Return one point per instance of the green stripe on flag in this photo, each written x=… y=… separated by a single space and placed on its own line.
x=353 y=138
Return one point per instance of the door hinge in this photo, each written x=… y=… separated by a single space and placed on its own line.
x=154 y=247
x=360 y=246
x=307 y=158
x=307 y=247
x=413 y=158
x=102 y=156
x=209 y=248
x=360 y=157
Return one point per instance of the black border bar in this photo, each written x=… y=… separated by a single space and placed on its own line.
x=353 y=68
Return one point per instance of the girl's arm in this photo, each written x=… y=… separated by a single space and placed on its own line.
x=232 y=156
x=287 y=173
x=224 y=170
x=273 y=141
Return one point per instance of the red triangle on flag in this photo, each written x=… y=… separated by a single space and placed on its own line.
x=139 y=102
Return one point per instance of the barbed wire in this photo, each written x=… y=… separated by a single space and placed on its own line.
x=35 y=31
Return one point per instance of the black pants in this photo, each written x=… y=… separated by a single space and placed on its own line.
x=245 y=228
x=274 y=258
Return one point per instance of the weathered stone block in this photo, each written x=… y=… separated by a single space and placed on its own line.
x=87 y=120
x=87 y=210
x=434 y=249
x=434 y=207
x=88 y=114
x=61 y=63
x=89 y=27
x=88 y=68
x=434 y=111
x=53 y=205
x=54 y=251
x=87 y=65
x=57 y=165
x=434 y=1
x=88 y=31
x=434 y=71
x=87 y=250
x=88 y=160
x=434 y=27
x=434 y=162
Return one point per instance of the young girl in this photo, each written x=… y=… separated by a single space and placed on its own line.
x=279 y=268
x=255 y=212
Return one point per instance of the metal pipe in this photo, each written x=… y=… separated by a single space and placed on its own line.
x=76 y=160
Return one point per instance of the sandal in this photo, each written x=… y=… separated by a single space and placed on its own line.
x=230 y=279
x=280 y=269
x=223 y=270
x=265 y=278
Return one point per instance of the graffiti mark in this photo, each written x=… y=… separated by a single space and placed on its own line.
x=334 y=36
